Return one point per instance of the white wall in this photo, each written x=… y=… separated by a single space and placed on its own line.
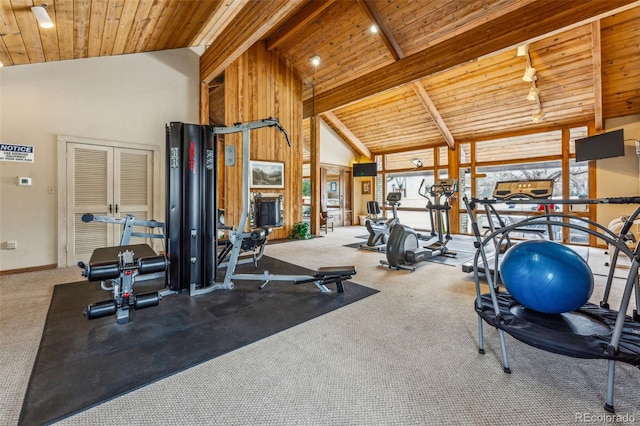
x=619 y=176
x=127 y=98
x=333 y=150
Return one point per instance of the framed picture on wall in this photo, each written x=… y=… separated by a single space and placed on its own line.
x=266 y=174
x=366 y=187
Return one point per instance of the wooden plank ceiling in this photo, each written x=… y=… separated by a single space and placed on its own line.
x=436 y=72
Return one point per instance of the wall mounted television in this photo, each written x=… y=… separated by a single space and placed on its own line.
x=604 y=145
x=365 y=169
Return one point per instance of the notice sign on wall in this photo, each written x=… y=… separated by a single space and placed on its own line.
x=19 y=153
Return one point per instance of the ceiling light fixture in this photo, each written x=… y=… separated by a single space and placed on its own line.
x=533 y=93
x=537 y=117
x=417 y=162
x=529 y=74
x=315 y=60
x=523 y=50
x=40 y=12
x=373 y=28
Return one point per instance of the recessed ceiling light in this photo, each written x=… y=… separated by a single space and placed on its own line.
x=315 y=60
x=373 y=28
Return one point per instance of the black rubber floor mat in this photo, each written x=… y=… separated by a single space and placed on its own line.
x=82 y=363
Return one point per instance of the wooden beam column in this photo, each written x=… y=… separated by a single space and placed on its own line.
x=204 y=103
x=316 y=189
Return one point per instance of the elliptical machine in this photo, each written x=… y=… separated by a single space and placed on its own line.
x=403 y=248
x=379 y=229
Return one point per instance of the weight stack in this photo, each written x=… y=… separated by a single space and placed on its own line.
x=191 y=200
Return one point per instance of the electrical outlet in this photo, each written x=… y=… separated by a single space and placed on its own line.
x=12 y=245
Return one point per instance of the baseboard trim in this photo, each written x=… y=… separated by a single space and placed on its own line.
x=29 y=269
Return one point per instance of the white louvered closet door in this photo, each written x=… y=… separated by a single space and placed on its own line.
x=132 y=188
x=105 y=181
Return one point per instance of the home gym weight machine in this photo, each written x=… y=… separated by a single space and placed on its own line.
x=134 y=263
x=403 y=248
x=192 y=198
x=379 y=229
x=192 y=224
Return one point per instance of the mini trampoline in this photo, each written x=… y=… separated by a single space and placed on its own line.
x=593 y=331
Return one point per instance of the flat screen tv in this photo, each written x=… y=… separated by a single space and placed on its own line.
x=365 y=169
x=604 y=145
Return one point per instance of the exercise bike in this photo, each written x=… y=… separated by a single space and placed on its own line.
x=403 y=248
x=379 y=229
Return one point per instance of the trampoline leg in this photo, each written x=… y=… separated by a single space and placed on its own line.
x=480 y=336
x=608 y=406
x=503 y=344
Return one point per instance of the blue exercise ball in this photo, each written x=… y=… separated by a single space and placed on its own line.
x=546 y=276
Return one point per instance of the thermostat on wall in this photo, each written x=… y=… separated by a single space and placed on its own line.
x=24 y=181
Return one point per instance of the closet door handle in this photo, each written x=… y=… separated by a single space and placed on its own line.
x=110 y=208
x=116 y=208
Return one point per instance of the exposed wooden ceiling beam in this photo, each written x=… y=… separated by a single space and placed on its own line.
x=223 y=15
x=250 y=25
x=299 y=21
x=347 y=134
x=385 y=34
x=509 y=30
x=596 y=55
x=431 y=108
x=395 y=49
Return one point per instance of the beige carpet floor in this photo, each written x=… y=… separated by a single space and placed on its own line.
x=405 y=356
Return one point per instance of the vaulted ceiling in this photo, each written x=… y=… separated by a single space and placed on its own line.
x=435 y=72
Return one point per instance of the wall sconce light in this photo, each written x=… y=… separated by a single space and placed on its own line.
x=1 y=64
x=533 y=93
x=40 y=12
x=315 y=60
x=537 y=117
x=529 y=74
x=523 y=50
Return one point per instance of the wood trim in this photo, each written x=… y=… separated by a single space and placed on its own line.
x=29 y=269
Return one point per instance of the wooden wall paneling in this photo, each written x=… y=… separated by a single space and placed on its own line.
x=620 y=71
x=260 y=84
x=251 y=24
